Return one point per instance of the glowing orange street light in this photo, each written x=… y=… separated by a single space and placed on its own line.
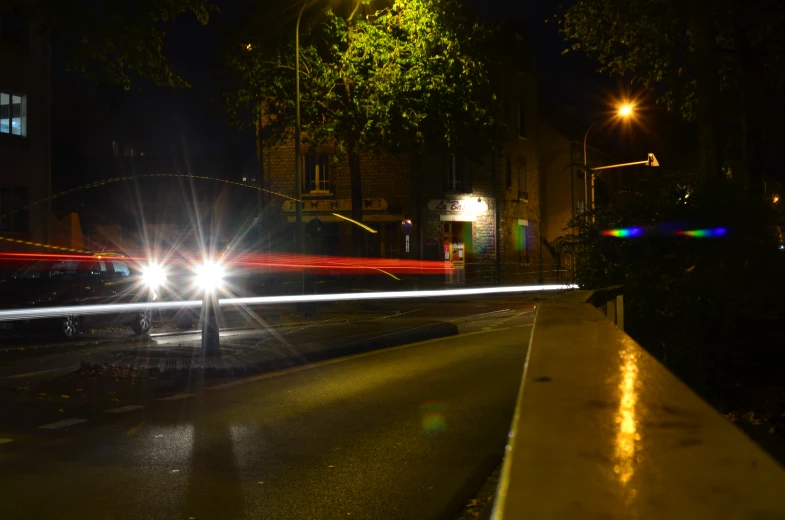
x=626 y=110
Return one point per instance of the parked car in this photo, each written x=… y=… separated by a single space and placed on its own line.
x=76 y=280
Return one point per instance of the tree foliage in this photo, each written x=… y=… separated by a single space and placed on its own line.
x=653 y=43
x=703 y=306
x=406 y=75
x=412 y=75
x=112 y=40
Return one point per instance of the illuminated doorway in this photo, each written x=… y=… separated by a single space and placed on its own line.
x=457 y=246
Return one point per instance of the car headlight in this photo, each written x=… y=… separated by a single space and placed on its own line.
x=209 y=276
x=153 y=275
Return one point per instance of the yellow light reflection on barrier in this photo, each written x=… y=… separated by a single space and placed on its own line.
x=627 y=435
x=370 y=229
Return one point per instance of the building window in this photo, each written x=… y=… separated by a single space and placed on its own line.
x=457 y=174
x=121 y=269
x=577 y=155
x=115 y=149
x=13 y=114
x=317 y=172
x=521 y=119
x=523 y=178
x=13 y=208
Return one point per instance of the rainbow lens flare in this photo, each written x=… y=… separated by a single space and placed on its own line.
x=703 y=233
x=433 y=419
x=623 y=232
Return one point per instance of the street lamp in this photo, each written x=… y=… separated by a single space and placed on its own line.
x=298 y=218
x=625 y=111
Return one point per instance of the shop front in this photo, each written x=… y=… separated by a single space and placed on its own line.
x=459 y=222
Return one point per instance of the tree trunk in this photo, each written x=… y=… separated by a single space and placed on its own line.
x=708 y=86
x=358 y=233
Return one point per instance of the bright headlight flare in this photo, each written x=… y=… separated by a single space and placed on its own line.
x=153 y=275
x=209 y=276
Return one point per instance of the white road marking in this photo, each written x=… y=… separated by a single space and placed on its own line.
x=4 y=440
x=300 y=368
x=30 y=374
x=62 y=424
x=175 y=397
x=123 y=409
x=519 y=326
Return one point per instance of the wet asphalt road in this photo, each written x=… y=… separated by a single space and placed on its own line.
x=409 y=432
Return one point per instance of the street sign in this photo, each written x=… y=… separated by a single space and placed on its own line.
x=407 y=243
x=406 y=227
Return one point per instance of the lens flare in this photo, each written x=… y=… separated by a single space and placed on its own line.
x=153 y=275
x=623 y=232
x=209 y=276
x=433 y=419
x=703 y=233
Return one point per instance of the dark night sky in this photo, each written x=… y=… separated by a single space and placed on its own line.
x=193 y=123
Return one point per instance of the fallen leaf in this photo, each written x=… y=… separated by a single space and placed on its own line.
x=61 y=410
x=114 y=399
x=65 y=396
x=175 y=471
x=771 y=430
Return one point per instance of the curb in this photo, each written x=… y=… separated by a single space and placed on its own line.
x=256 y=361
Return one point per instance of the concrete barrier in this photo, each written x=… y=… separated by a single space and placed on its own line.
x=603 y=430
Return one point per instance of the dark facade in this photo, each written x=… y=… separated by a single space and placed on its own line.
x=24 y=130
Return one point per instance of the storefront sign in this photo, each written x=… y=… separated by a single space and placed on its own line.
x=335 y=205
x=461 y=205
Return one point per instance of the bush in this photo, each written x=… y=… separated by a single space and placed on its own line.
x=706 y=307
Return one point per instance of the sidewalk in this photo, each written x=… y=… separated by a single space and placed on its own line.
x=254 y=351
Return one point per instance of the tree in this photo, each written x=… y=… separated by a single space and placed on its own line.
x=409 y=76
x=112 y=40
x=717 y=61
x=691 y=301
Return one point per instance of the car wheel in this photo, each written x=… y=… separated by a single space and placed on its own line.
x=142 y=323
x=70 y=327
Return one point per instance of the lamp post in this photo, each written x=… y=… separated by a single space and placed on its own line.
x=586 y=170
x=624 y=111
x=298 y=218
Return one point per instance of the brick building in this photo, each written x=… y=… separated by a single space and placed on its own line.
x=483 y=216
x=24 y=129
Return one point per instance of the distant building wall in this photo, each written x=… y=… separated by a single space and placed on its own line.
x=24 y=130
x=67 y=232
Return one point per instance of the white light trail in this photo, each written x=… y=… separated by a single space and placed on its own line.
x=83 y=310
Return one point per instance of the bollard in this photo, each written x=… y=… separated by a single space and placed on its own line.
x=211 y=341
